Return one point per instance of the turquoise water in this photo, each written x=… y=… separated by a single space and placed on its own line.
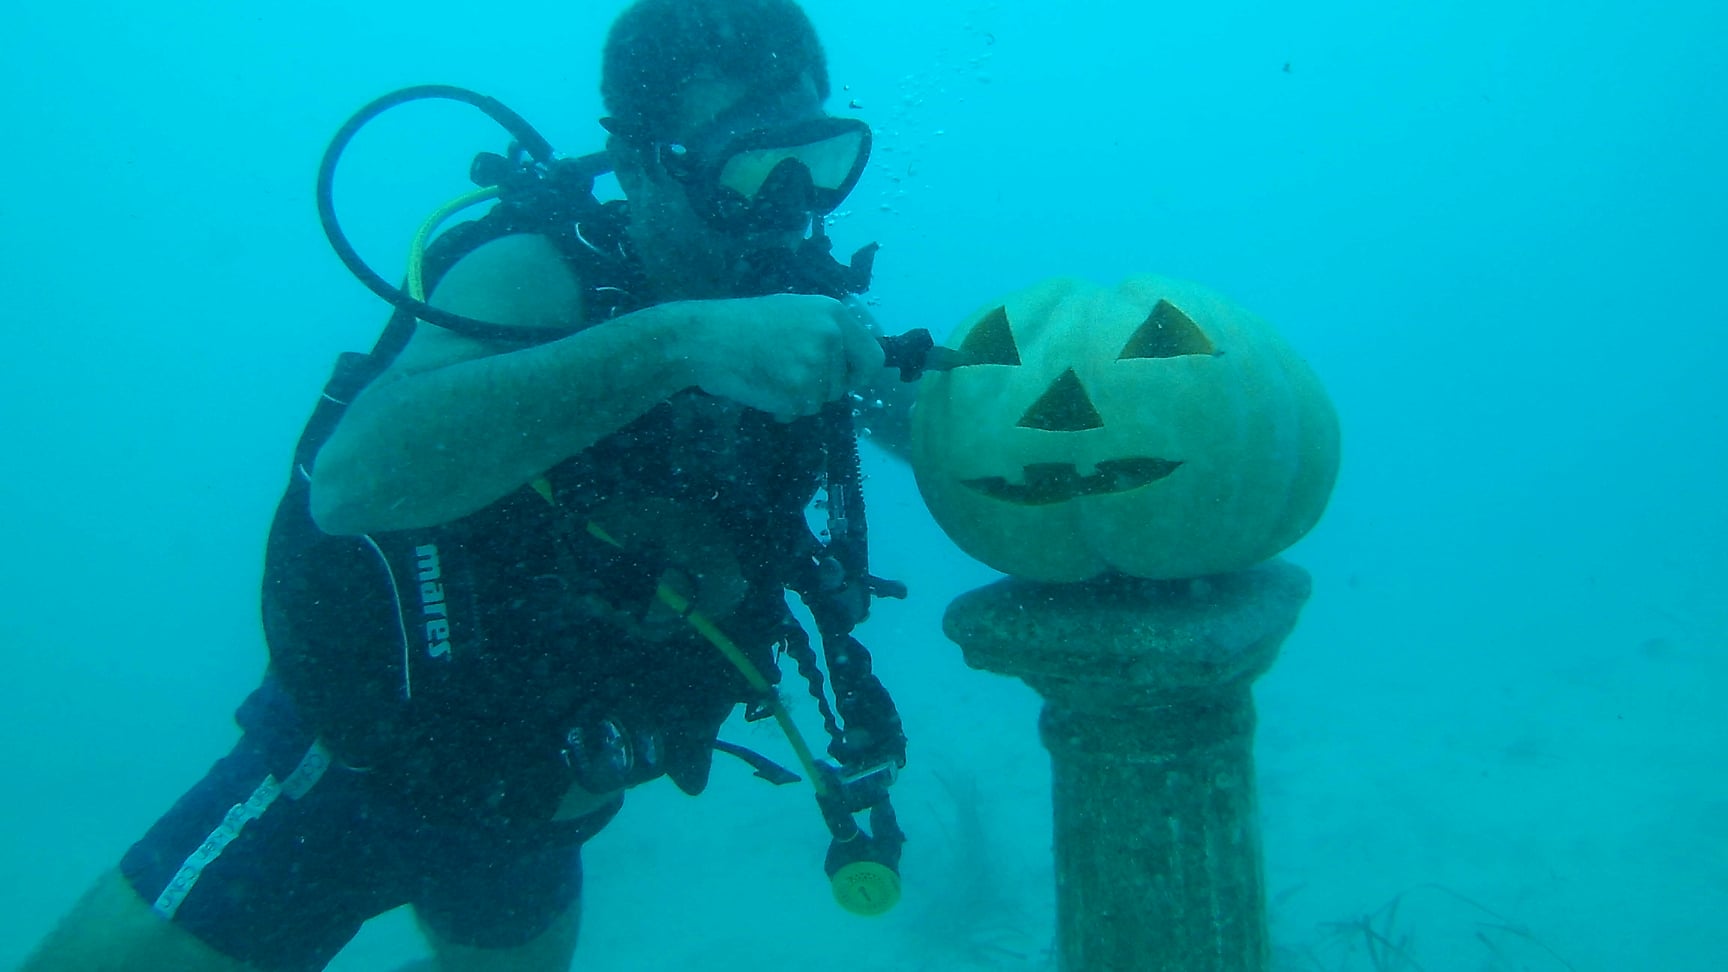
x=1495 y=230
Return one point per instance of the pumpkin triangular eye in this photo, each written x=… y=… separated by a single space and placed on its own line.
x=1064 y=407
x=992 y=341
x=1167 y=333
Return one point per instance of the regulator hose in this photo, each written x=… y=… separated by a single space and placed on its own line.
x=531 y=141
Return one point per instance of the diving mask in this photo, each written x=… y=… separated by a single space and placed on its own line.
x=769 y=178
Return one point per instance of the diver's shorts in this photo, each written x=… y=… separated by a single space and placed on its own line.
x=279 y=855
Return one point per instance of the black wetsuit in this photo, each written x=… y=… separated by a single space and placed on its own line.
x=411 y=742
x=452 y=660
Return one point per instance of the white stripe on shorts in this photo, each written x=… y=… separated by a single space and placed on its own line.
x=305 y=775
x=238 y=816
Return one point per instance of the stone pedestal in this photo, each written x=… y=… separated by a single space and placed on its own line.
x=1150 y=726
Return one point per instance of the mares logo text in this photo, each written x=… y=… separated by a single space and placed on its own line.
x=432 y=600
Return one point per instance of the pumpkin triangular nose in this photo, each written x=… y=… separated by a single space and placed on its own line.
x=1064 y=407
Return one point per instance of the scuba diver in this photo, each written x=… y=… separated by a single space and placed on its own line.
x=536 y=546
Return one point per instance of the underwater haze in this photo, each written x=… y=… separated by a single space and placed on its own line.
x=1498 y=232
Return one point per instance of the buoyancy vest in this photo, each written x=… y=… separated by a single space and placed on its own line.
x=451 y=661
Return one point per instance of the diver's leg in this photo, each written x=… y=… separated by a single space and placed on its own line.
x=550 y=951
x=112 y=929
x=273 y=861
x=488 y=905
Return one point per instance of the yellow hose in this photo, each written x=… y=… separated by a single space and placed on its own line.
x=423 y=236
x=711 y=632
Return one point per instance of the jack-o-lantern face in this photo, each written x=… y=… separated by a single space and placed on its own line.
x=1155 y=429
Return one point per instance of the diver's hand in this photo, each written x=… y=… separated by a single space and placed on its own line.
x=785 y=354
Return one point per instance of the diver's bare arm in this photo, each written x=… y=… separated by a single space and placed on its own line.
x=430 y=447
x=454 y=424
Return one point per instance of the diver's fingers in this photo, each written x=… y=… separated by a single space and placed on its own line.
x=863 y=357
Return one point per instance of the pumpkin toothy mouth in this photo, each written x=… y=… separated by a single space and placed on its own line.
x=1055 y=482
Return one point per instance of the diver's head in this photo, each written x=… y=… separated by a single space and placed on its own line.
x=718 y=134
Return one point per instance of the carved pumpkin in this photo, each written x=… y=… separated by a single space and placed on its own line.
x=1155 y=429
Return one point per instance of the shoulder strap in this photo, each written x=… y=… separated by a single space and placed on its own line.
x=587 y=233
x=598 y=251
x=592 y=243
